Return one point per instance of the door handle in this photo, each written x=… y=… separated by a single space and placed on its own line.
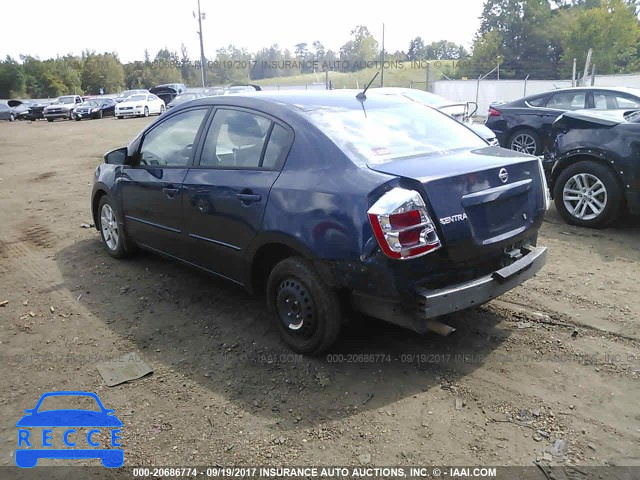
x=170 y=192
x=249 y=197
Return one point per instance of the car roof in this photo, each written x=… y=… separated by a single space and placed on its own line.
x=305 y=100
x=631 y=90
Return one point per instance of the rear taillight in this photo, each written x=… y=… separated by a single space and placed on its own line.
x=493 y=112
x=402 y=225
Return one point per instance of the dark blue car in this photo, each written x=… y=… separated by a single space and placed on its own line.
x=328 y=202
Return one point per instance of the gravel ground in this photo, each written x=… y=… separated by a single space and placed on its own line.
x=554 y=363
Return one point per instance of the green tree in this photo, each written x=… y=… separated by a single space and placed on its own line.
x=611 y=29
x=362 y=48
x=102 y=71
x=417 y=49
x=12 y=79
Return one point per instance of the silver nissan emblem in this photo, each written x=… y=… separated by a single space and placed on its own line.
x=503 y=175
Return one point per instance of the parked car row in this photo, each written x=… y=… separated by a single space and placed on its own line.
x=141 y=102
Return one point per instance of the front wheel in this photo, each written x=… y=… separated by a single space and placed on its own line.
x=306 y=310
x=113 y=236
x=525 y=141
x=146 y=111
x=161 y=109
x=12 y=117
x=587 y=194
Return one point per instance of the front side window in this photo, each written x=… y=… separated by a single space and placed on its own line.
x=235 y=140
x=567 y=101
x=383 y=134
x=170 y=144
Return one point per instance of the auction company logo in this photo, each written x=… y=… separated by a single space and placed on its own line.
x=65 y=421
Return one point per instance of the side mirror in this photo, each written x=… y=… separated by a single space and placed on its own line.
x=116 y=157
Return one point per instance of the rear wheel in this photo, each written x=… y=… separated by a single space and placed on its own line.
x=100 y=114
x=161 y=109
x=587 y=194
x=146 y=111
x=12 y=117
x=525 y=141
x=306 y=310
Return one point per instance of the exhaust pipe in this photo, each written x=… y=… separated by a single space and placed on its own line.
x=439 y=328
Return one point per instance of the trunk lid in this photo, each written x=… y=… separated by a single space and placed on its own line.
x=479 y=198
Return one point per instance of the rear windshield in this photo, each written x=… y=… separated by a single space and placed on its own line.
x=389 y=133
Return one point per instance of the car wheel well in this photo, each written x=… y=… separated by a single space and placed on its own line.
x=566 y=163
x=265 y=259
x=94 y=206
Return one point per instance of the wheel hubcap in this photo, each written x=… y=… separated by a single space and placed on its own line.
x=109 y=227
x=584 y=196
x=295 y=307
x=524 y=143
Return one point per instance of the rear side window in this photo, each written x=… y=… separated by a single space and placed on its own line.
x=567 y=101
x=537 y=102
x=280 y=141
x=236 y=139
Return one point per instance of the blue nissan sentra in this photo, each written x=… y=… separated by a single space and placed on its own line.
x=328 y=202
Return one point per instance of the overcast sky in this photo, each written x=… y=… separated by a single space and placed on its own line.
x=128 y=27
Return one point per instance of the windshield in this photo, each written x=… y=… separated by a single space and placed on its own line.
x=394 y=132
x=137 y=98
x=91 y=103
x=66 y=100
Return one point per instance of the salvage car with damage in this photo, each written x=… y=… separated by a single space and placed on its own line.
x=328 y=203
x=593 y=168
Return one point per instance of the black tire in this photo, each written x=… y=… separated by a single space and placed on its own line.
x=124 y=246
x=119 y=117
x=49 y=119
x=146 y=111
x=161 y=109
x=78 y=119
x=12 y=117
x=594 y=171
x=516 y=139
x=100 y=115
x=295 y=289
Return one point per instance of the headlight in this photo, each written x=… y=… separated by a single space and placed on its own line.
x=94 y=110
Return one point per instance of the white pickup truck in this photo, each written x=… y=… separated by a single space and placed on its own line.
x=62 y=107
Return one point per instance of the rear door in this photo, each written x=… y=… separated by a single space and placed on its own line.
x=152 y=195
x=226 y=192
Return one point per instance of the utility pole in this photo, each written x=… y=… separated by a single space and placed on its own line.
x=573 y=76
x=593 y=75
x=498 y=68
x=586 y=66
x=203 y=61
x=382 y=72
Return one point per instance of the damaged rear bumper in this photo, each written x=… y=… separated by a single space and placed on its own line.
x=434 y=303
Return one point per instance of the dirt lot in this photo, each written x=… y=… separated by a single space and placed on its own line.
x=558 y=358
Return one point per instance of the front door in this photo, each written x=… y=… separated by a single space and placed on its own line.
x=151 y=189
